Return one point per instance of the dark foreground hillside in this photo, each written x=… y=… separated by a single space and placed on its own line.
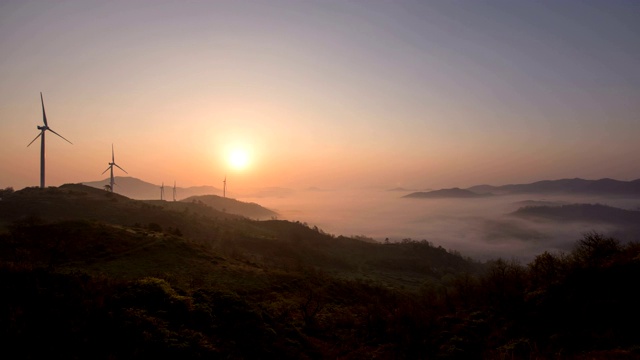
x=233 y=206
x=112 y=289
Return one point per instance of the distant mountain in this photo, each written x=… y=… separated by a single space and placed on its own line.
x=566 y=186
x=445 y=194
x=539 y=203
x=233 y=206
x=593 y=213
x=141 y=190
x=401 y=189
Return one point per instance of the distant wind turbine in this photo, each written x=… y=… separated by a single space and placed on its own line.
x=41 y=136
x=224 y=187
x=174 y=190
x=111 y=165
x=162 y=191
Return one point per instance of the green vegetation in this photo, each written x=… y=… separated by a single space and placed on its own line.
x=89 y=274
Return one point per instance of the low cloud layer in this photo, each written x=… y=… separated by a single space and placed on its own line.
x=481 y=228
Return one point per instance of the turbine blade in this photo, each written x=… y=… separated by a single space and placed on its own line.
x=44 y=115
x=112 y=155
x=60 y=136
x=118 y=166
x=107 y=169
x=35 y=139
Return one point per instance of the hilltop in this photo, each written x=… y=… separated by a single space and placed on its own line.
x=233 y=206
x=80 y=202
x=275 y=243
x=577 y=186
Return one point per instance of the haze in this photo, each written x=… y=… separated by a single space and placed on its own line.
x=481 y=228
x=323 y=93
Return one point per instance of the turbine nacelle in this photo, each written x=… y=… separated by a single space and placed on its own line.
x=43 y=129
x=110 y=167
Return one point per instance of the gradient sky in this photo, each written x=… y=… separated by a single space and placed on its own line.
x=419 y=94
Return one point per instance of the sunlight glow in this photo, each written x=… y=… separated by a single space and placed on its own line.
x=238 y=159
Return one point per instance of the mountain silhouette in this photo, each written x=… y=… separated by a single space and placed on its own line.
x=233 y=206
x=566 y=186
x=135 y=188
x=445 y=194
x=592 y=213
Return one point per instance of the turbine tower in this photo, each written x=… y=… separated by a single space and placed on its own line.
x=111 y=165
x=41 y=136
x=162 y=191
x=174 y=190
x=224 y=187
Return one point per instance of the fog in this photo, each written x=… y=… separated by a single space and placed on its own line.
x=479 y=227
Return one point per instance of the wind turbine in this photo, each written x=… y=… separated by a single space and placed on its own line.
x=111 y=165
x=41 y=136
x=224 y=187
x=174 y=190
x=162 y=191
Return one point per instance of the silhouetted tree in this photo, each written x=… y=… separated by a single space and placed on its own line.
x=6 y=192
x=595 y=249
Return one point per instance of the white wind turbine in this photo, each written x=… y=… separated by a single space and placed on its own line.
x=224 y=187
x=174 y=191
x=111 y=165
x=41 y=136
x=162 y=191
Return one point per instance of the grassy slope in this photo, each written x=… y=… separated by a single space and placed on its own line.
x=273 y=245
x=94 y=277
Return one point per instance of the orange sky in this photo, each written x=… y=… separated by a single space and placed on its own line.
x=321 y=93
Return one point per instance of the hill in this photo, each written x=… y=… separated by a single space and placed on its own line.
x=446 y=194
x=89 y=274
x=233 y=206
x=141 y=190
x=605 y=187
x=593 y=213
x=524 y=203
x=277 y=244
x=80 y=202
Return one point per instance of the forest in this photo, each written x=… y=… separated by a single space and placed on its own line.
x=90 y=274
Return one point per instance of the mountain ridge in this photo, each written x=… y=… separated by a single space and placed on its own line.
x=446 y=193
x=575 y=186
x=138 y=189
x=233 y=206
x=604 y=186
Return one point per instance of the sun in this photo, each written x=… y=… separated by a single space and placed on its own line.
x=238 y=159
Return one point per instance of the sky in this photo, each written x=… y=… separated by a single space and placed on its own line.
x=325 y=94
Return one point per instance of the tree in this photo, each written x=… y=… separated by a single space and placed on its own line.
x=595 y=250
x=6 y=192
